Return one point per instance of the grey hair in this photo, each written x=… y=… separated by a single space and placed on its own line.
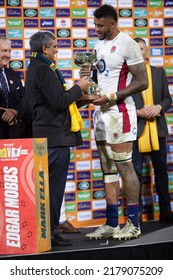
x=40 y=39
x=5 y=39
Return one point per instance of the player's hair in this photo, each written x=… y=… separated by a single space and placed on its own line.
x=106 y=11
x=139 y=40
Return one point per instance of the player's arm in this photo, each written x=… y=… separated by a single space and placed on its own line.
x=139 y=81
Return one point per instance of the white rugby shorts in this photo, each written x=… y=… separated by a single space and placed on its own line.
x=115 y=127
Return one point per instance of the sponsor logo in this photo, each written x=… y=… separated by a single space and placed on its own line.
x=84 y=114
x=63 y=22
x=98 y=194
x=140 y=3
x=63 y=33
x=168 y=41
x=70 y=187
x=170 y=81
x=83 y=185
x=125 y=22
x=84 y=195
x=82 y=155
x=125 y=12
x=14 y=23
x=62 y=12
x=67 y=73
x=86 y=123
x=46 y=13
x=46 y=3
x=92 y=43
x=14 y=12
x=97 y=174
x=99 y=204
x=156 y=32
x=30 y=12
x=85 y=134
x=156 y=51
x=95 y=154
x=85 y=145
x=84 y=216
x=16 y=64
x=140 y=22
x=96 y=164
x=168 y=3
x=16 y=54
x=64 y=43
x=141 y=32
x=30 y=22
x=83 y=175
x=64 y=63
x=69 y=196
x=47 y=23
x=99 y=214
x=170 y=158
x=2 y=32
x=83 y=165
x=170 y=138
x=78 y=13
x=79 y=22
x=27 y=53
x=169 y=71
x=70 y=207
x=156 y=42
x=170 y=149
x=140 y=13
x=156 y=61
x=168 y=22
x=156 y=22
x=79 y=43
x=84 y=206
x=71 y=166
x=98 y=184
x=94 y=3
x=168 y=51
x=92 y=33
x=16 y=44
x=70 y=176
x=155 y=4
x=13 y=3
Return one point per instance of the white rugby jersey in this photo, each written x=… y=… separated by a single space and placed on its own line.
x=113 y=58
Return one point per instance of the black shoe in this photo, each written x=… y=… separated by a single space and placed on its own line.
x=57 y=240
x=166 y=217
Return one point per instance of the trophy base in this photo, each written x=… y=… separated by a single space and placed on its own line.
x=89 y=97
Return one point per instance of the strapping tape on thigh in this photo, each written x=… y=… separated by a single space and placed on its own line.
x=122 y=157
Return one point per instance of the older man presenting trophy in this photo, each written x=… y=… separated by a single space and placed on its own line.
x=86 y=60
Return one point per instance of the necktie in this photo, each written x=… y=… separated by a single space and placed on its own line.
x=4 y=89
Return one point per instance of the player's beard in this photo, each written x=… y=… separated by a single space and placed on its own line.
x=106 y=35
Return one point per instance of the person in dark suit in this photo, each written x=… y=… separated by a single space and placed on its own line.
x=151 y=106
x=12 y=101
x=54 y=111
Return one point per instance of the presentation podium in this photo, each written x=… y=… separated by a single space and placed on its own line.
x=24 y=196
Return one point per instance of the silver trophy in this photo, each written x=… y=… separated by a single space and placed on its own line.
x=86 y=59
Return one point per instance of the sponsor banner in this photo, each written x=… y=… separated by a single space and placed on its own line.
x=24 y=196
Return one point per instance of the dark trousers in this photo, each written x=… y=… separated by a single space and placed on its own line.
x=159 y=162
x=58 y=161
